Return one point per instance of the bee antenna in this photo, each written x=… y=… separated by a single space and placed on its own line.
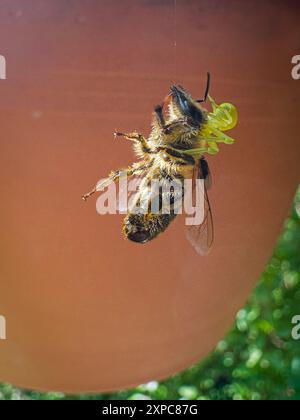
x=206 y=89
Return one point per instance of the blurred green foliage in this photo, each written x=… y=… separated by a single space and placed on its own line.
x=258 y=360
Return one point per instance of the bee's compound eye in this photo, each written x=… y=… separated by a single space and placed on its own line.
x=139 y=237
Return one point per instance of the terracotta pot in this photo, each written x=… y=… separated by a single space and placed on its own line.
x=86 y=310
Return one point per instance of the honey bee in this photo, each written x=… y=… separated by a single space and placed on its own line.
x=182 y=132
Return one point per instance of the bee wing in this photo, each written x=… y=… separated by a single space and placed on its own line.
x=206 y=175
x=201 y=236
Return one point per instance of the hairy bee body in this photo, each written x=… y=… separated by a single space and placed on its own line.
x=167 y=166
x=166 y=147
x=142 y=226
x=174 y=148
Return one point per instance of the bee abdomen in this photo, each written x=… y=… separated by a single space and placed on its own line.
x=180 y=158
x=141 y=228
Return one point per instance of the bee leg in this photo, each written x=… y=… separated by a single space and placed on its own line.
x=137 y=139
x=131 y=136
x=135 y=169
x=113 y=176
x=89 y=194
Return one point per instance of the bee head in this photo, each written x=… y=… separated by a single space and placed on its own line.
x=182 y=105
